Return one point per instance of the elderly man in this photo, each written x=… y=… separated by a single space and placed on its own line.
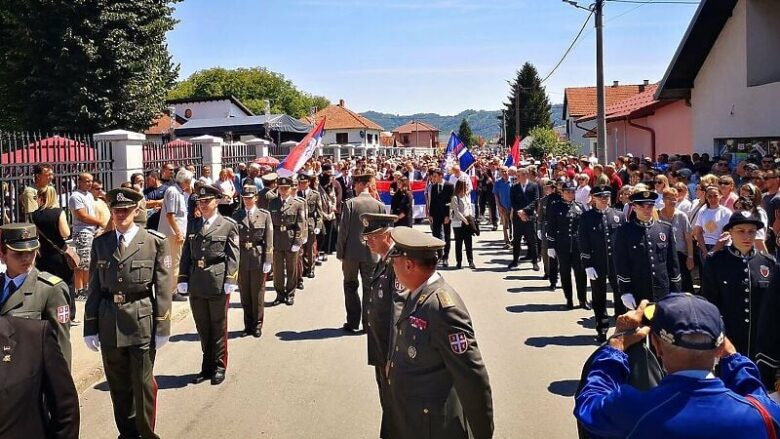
x=687 y=334
x=173 y=222
x=502 y=193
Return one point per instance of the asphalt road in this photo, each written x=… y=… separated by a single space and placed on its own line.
x=306 y=379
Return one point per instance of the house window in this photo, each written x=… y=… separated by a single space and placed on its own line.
x=342 y=138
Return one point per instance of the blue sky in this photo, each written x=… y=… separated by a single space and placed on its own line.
x=409 y=56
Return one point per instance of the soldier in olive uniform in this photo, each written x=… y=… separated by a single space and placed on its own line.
x=438 y=382
x=209 y=272
x=27 y=292
x=378 y=306
x=268 y=191
x=289 y=223
x=128 y=312
x=255 y=239
x=313 y=222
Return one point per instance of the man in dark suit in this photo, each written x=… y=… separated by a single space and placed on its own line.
x=39 y=397
x=523 y=194
x=439 y=197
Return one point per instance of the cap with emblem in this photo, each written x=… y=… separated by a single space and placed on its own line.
x=601 y=191
x=20 y=237
x=250 y=191
x=414 y=244
x=377 y=222
x=681 y=314
x=123 y=197
x=284 y=181
x=743 y=217
x=643 y=197
x=208 y=191
x=303 y=177
x=569 y=186
x=270 y=177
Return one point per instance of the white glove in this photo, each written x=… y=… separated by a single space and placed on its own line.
x=267 y=267
x=539 y=234
x=591 y=273
x=229 y=288
x=160 y=341
x=92 y=342
x=295 y=248
x=316 y=231
x=182 y=287
x=551 y=252
x=628 y=300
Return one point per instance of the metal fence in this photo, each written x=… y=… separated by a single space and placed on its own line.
x=238 y=152
x=68 y=155
x=178 y=153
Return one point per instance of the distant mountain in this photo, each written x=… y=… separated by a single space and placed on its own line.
x=483 y=122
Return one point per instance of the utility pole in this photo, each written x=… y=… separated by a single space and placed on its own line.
x=517 y=109
x=601 y=124
x=503 y=126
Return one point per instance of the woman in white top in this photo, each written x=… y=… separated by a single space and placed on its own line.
x=225 y=182
x=582 y=193
x=710 y=221
x=661 y=183
x=683 y=203
x=460 y=212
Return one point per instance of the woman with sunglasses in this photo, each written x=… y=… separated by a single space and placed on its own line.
x=727 y=194
x=660 y=184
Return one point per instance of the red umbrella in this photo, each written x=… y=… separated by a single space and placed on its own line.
x=268 y=160
x=50 y=150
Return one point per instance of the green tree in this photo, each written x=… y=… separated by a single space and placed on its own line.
x=464 y=133
x=534 y=105
x=252 y=86
x=84 y=65
x=546 y=142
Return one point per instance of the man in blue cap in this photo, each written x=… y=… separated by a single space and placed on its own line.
x=690 y=402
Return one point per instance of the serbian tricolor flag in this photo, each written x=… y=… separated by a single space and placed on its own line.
x=457 y=150
x=302 y=152
x=514 y=154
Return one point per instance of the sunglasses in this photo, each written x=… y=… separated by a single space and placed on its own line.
x=724 y=183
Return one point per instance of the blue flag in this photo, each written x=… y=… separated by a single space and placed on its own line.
x=457 y=150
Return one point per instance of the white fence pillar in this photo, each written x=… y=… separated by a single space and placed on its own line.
x=127 y=152
x=261 y=147
x=212 y=152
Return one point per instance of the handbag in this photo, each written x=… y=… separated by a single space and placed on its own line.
x=69 y=253
x=472 y=225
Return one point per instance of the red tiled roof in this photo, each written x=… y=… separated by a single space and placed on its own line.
x=162 y=125
x=579 y=101
x=414 y=126
x=640 y=103
x=340 y=117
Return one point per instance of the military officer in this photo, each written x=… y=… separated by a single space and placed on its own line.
x=268 y=191
x=596 y=231
x=551 y=195
x=378 y=307
x=256 y=242
x=437 y=379
x=128 y=312
x=646 y=264
x=563 y=219
x=313 y=222
x=289 y=224
x=27 y=292
x=737 y=280
x=210 y=261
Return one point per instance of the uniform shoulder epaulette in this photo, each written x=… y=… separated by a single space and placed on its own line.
x=156 y=233
x=264 y=210
x=445 y=300
x=230 y=219
x=300 y=198
x=49 y=278
x=664 y=222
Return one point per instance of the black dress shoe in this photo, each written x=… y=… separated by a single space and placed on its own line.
x=257 y=333
x=553 y=287
x=444 y=263
x=569 y=305
x=290 y=300
x=349 y=329
x=585 y=305
x=310 y=275
x=536 y=266
x=495 y=227
x=545 y=277
x=457 y=266
x=201 y=377
x=246 y=333
x=472 y=266
x=300 y=285
x=277 y=301
x=218 y=377
x=601 y=337
x=512 y=264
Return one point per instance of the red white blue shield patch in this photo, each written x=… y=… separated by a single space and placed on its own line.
x=764 y=270
x=662 y=236
x=63 y=314
x=459 y=343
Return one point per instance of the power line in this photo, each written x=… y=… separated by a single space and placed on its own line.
x=660 y=2
x=571 y=46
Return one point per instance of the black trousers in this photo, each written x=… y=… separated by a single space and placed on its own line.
x=463 y=235
x=443 y=232
x=569 y=261
x=687 y=278
x=486 y=199
x=133 y=388
x=210 y=315
x=598 y=289
x=525 y=229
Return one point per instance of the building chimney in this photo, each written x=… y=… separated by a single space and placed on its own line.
x=647 y=82
x=615 y=83
x=341 y=103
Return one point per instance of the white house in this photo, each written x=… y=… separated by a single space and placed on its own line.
x=216 y=107
x=345 y=127
x=727 y=68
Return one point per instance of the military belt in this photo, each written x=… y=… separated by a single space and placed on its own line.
x=249 y=244
x=120 y=298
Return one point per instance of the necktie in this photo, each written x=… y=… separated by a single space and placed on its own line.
x=10 y=287
x=121 y=244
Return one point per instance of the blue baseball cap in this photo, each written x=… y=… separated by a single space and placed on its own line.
x=679 y=314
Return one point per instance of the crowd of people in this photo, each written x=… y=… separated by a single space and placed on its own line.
x=679 y=224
